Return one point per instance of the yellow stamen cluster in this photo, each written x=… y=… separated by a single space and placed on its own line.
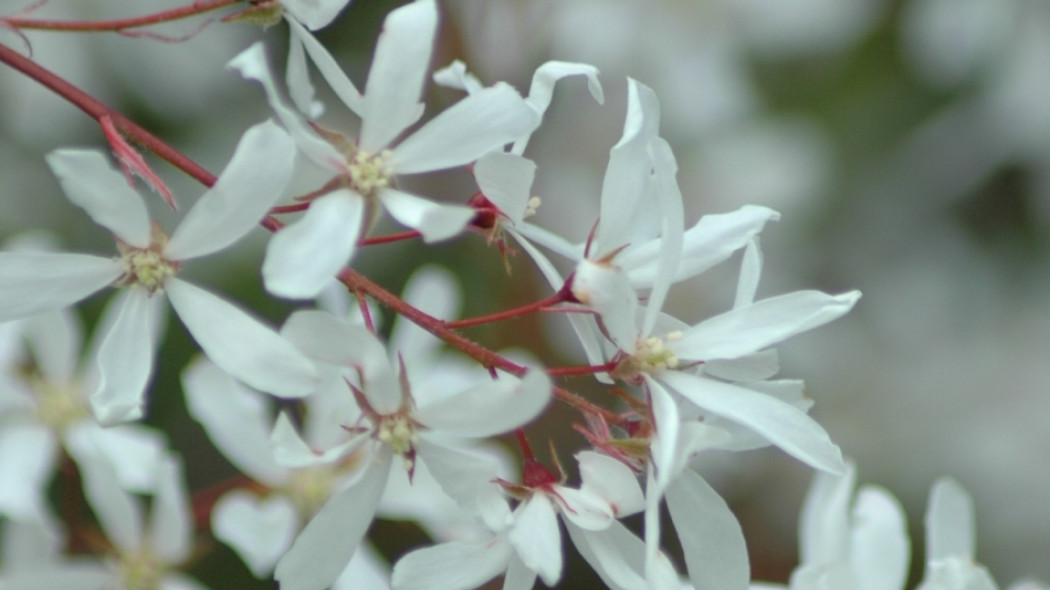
x=140 y=571
x=653 y=356
x=369 y=173
x=309 y=488
x=147 y=268
x=532 y=206
x=398 y=431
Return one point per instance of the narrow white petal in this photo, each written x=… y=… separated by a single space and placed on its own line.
x=125 y=360
x=94 y=186
x=330 y=70
x=612 y=481
x=518 y=576
x=506 y=181
x=671 y=214
x=436 y=221
x=464 y=476
x=606 y=289
x=495 y=407
x=290 y=450
x=749 y=329
x=240 y=345
x=455 y=75
x=664 y=447
x=27 y=462
x=251 y=183
x=950 y=522
x=537 y=539
x=618 y=556
x=399 y=68
x=712 y=541
x=781 y=423
x=315 y=14
x=879 y=545
x=171 y=528
x=297 y=77
x=236 y=419
x=259 y=530
x=547 y=75
x=56 y=340
x=251 y=63
x=303 y=257
x=368 y=570
x=750 y=272
x=824 y=524
x=452 y=566
x=435 y=291
x=474 y=126
x=326 y=545
x=35 y=282
x=135 y=451
x=119 y=514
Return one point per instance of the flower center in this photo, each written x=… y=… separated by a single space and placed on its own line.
x=532 y=206
x=652 y=356
x=398 y=431
x=309 y=487
x=58 y=404
x=140 y=571
x=369 y=173
x=146 y=268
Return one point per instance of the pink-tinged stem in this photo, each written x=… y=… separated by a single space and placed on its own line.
x=117 y=24
x=561 y=296
x=583 y=370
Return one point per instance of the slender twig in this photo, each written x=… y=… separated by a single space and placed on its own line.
x=117 y=24
x=562 y=295
x=584 y=370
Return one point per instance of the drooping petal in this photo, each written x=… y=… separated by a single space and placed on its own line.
x=436 y=221
x=495 y=407
x=290 y=450
x=452 y=566
x=541 y=91
x=94 y=186
x=259 y=530
x=398 y=72
x=297 y=77
x=612 y=481
x=606 y=289
x=314 y=14
x=251 y=183
x=329 y=68
x=302 y=257
x=251 y=63
x=950 y=528
x=462 y=133
x=537 y=539
x=35 y=282
x=236 y=419
x=27 y=462
x=171 y=522
x=749 y=329
x=125 y=360
x=326 y=545
x=712 y=541
x=119 y=514
x=671 y=228
x=824 y=524
x=240 y=345
x=506 y=181
x=782 y=424
x=879 y=545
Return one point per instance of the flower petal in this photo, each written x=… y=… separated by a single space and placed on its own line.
x=612 y=481
x=465 y=476
x=824 y=523
x=399 y=69
x=495 y=407
x=536 y=538
x=125 y=360
x=506 y=181
x=436 y=221
x=315 y=14
x=27 y=462
x=251 y=183
x=302 y=257
x=712 y=541
x=171 y=523
x=34 y=282
x=297 y=77
x=56 y=340
x=462 y=133
x=330 y=70
x=606 y=289
x=781 y=423
x=749 y=329
x=119 y=514
x=879 y=545
x=325 y=546
x=259 y=530
x=950 y=522
x=134 y=451
x=240 y=345
x=290 y=450
x=94 y=186
x=452 y=566
x=236 y=419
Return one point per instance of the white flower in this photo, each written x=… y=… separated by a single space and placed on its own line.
x=391 y=424
x=951 y=541
x=32 y=283
x=304 y=255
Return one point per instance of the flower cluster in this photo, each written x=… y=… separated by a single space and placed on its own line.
x=391 y=423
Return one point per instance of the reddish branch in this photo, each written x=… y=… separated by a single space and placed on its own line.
x=117 y=24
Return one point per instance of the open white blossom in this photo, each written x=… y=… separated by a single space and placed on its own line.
x=35 y=282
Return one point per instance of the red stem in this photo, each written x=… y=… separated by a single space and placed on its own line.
x=584 y=370
x=559 y=297
x=405 y=235
x=357 y=283
x=117 y=24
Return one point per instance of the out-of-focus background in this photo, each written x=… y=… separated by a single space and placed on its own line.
x=905 y=142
